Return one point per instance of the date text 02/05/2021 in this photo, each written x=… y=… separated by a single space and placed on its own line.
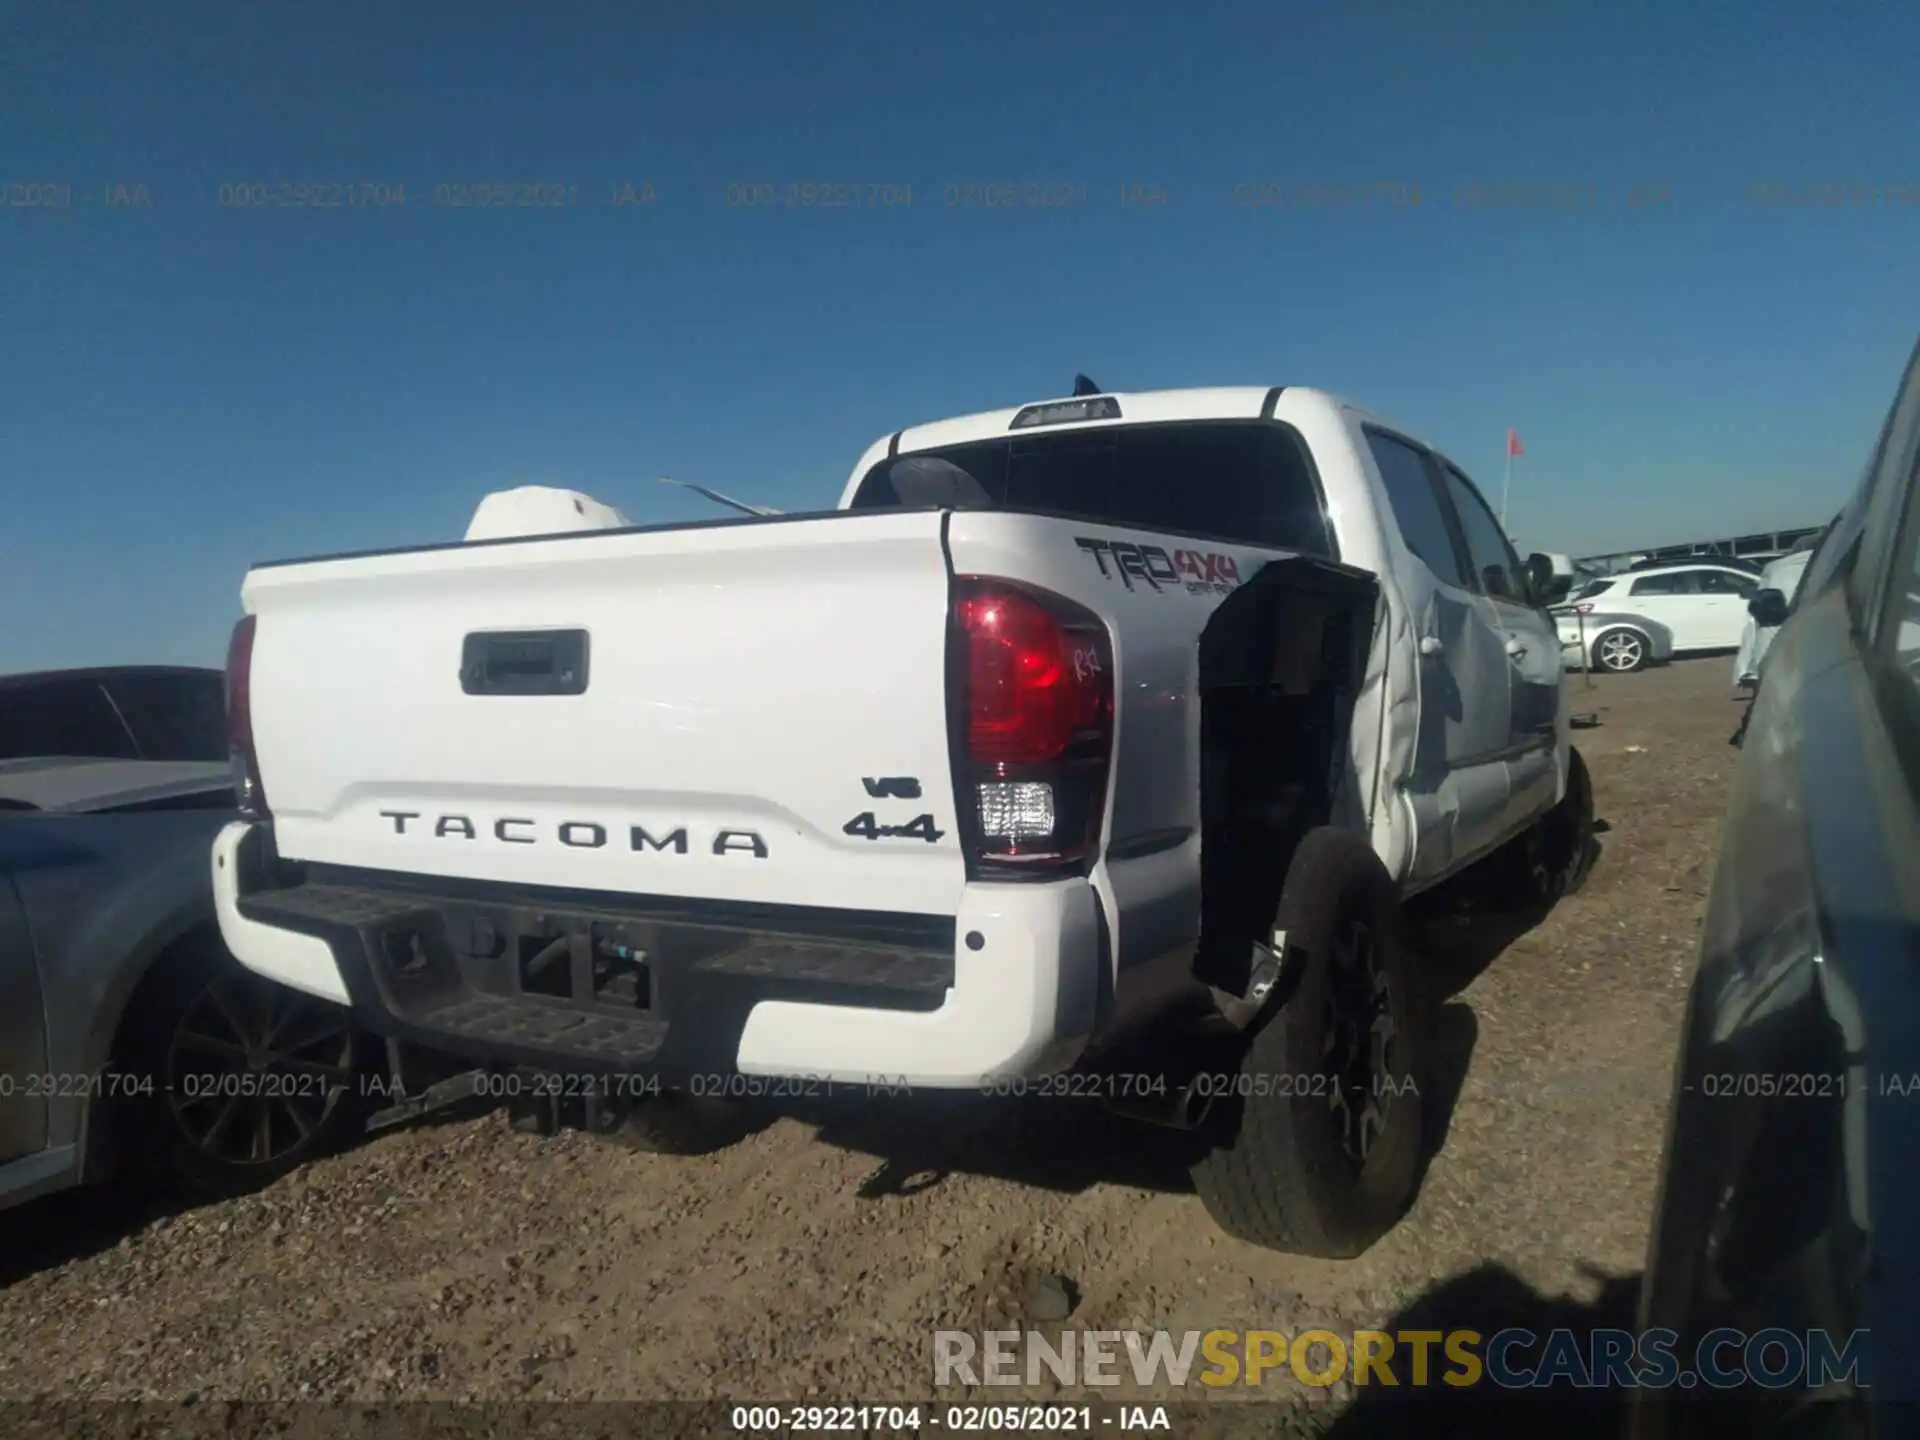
x=720 y=1085
x=1805 y=1085
x=1105 y=1085
x=877 y=1419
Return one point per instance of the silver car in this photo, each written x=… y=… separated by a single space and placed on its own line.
x=127 y=1032
x=1614 y=641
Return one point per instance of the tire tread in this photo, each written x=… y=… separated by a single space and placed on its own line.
x=1267 y=1184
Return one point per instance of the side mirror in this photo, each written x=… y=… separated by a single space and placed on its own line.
x=1768 y=608
x=1540 y=577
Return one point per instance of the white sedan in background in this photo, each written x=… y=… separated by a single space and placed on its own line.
x=1782 y=575
x=1618 y=643
x=1703 y=605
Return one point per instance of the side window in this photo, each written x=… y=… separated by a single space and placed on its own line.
x=1494 y=563
x=1674 y=582
x=1725 y=582
x=61 y=717
x=1416 y=505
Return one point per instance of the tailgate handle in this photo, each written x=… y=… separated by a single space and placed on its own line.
x=524 y=662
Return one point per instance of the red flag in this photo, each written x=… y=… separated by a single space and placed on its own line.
x=1513 y=443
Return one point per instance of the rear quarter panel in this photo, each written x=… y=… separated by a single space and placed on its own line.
x=103 y=896
x=23 y=1031
x=1156 y=591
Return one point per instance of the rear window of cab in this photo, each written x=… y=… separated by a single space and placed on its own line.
x=1245 y=480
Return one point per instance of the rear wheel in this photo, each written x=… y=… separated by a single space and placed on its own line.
x=1621 y=651
x=233 y=1080
x=1318 y=1150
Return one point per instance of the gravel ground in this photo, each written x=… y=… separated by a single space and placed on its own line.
x=462 y=1260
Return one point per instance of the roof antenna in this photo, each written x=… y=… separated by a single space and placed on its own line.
x=1083 y=386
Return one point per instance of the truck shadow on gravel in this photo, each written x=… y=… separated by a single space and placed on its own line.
x=1073 y=1144
x=1458 y=944
x=1460 y=928
x=1067 y=1144
x=1070 y=1144
x=73 y=1225
x=1490 y=1299
x=1458 y=931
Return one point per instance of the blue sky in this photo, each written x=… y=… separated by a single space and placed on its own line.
x=186 y=386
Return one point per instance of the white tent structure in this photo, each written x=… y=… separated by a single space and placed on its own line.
x=540 y=510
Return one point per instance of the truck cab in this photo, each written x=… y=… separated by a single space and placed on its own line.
x=1463 y=650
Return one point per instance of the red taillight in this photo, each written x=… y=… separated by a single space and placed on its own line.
x=1033 y=684
x=1033 y=727
x=239 y=679
x=248 y=792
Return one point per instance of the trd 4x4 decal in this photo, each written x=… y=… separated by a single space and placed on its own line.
x=1195 y=571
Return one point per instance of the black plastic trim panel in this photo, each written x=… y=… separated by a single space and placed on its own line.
x=445 y=964
x=911 y=931
x=1149 y=842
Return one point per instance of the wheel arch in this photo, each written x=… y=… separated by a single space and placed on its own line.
x=191 y=929
x=1613 y=628
x=1281 y=665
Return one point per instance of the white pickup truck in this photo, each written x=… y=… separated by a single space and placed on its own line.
x=1092 y=730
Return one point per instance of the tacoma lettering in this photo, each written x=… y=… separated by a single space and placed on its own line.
x=578 y=834
x=641 y=840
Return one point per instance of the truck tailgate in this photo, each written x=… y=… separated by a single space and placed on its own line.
x=747 y=688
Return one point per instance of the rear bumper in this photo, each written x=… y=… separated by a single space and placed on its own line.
x=1007 y=987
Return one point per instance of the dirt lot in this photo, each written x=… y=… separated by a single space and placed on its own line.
x=463 y=1260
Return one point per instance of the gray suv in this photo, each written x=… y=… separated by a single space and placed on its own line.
x=1792 y=1168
